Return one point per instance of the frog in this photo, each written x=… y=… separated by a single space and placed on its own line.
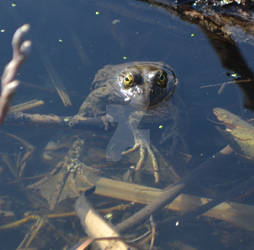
x=132 y=93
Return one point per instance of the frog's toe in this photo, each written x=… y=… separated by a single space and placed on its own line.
x=145 y=148
x=154 y=162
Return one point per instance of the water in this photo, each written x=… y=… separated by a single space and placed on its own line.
x=78 y=38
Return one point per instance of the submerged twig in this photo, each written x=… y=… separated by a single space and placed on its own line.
x=153 y=230
x=21 y=49
x=207 y=208
x=19 y=118
x=96 y=227
x=55 y=79
x=34 y=103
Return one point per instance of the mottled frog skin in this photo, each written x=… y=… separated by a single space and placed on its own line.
x=141 y=90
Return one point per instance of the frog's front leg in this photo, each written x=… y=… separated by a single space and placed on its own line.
x=95 y=106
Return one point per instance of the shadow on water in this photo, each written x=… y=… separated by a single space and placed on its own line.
x=216 y=26
x=205 y=46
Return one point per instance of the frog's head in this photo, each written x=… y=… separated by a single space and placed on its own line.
x=145 y=84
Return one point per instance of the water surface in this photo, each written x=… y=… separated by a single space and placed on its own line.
x=78 y=38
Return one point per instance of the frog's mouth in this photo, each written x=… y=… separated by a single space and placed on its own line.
x=138 y=96
x=146 y=95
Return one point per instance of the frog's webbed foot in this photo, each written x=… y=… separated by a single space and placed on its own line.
x=145 y=149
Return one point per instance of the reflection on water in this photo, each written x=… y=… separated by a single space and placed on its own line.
x=80 y=38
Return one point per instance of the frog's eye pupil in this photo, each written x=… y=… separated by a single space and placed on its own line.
x=162 y=80
x=128 y=80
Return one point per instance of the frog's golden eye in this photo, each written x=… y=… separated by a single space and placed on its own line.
x=128 y=80
x=162 y=79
